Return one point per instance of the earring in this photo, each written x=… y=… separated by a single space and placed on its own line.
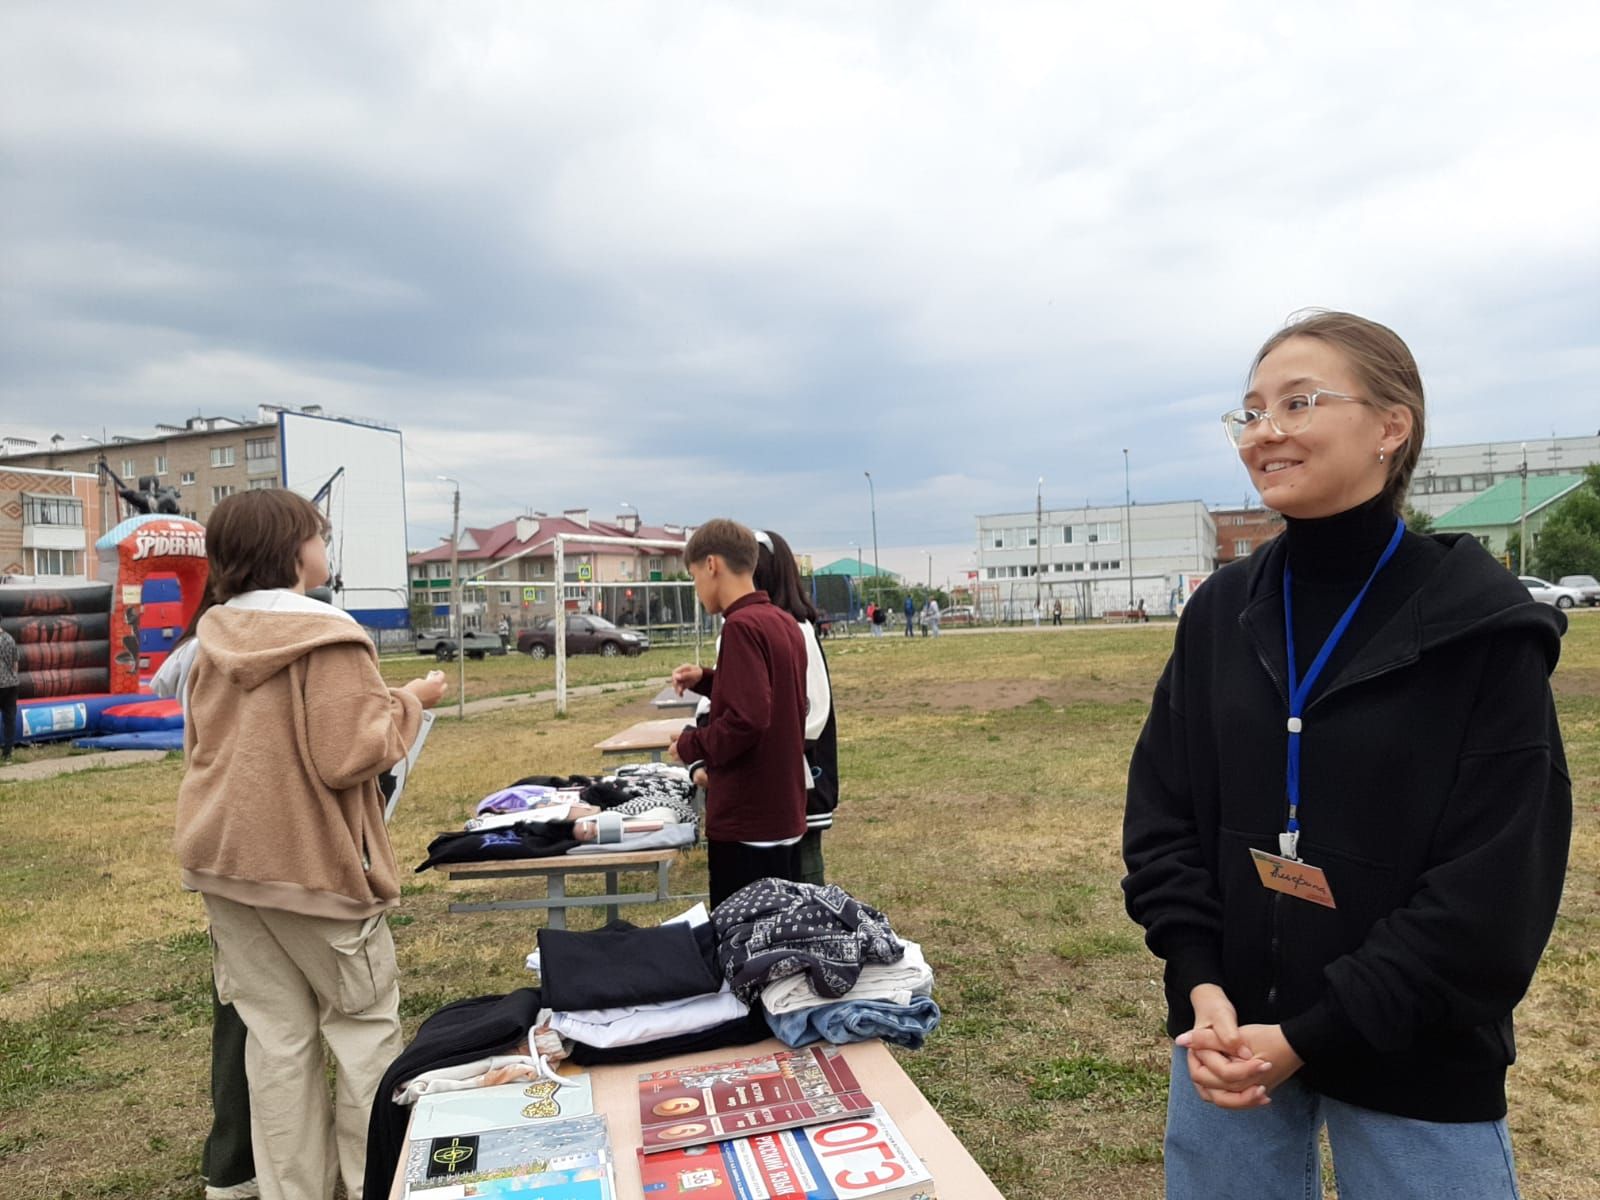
x=1381 y=453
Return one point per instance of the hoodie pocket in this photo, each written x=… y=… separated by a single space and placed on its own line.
x=366 y=963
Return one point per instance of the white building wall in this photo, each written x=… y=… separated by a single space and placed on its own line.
x=1091 y=559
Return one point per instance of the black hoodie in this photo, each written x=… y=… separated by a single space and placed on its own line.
x=1434 y=793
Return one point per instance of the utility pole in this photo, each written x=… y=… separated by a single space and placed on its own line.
x=1522 y=535
x=1127 y=523
x=877 y=573
x=455 y=603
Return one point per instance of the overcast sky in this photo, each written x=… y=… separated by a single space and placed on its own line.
x=722 y=258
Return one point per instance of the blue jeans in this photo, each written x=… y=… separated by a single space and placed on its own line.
x=1272 y=1153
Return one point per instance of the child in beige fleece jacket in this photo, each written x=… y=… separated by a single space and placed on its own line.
x=280 y=827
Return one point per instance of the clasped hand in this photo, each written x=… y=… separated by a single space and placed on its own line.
x=1230 y=1065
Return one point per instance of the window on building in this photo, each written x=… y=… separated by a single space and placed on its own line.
x=52 y=510
x=186 y=477
x=538 y=595
x=1241 y=547
x=441 y=570
x=220 y=492
x=1482 y=483
x=161 y=464
x=998 y=541
x=222 y=456
x=55 y=562
x=1110 y=531
x=128 y=469
x=1238 y=520
x=266 y=481
x=192 y=515
x=1066 y=535
x=505 y=596
x=1033 y=536
x=257 y=448
x=1114 y=565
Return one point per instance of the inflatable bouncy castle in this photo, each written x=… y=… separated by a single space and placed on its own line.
x=87 y=651
x=158 y=565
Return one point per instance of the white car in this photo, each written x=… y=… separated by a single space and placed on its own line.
x=1551 y=593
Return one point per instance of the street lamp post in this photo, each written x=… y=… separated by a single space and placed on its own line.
x=1038 y=550
x=1127 y=523
x=456 y=598
x=1522 y=521
x=876 y=570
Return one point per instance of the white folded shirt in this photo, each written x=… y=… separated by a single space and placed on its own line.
x=607 y=1027
x=895 y=983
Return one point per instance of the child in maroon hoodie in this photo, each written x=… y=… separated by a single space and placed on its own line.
x=753 y=744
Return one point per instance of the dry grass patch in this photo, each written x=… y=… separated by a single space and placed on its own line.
x=983 y=780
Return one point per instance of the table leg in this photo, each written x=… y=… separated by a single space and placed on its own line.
x=611 y=890
x=662 y=891
x=556 y=890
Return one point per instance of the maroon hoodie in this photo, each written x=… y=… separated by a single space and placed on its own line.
x=753 y=743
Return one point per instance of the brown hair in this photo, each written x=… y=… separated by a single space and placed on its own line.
x=253 y=541
x=1387 y=371
x=729 y=540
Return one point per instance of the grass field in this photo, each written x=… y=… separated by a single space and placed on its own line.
x=983 y=780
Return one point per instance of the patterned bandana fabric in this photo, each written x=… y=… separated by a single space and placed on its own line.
x=773 y=929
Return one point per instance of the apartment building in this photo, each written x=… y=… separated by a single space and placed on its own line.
x=204 y=459
x=1241 y=531
x=49 y=521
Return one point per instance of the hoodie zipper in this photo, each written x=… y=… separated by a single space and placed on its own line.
x=1273 y=959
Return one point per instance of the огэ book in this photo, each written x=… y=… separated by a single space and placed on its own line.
x=781 y=1090
x=863 y=1158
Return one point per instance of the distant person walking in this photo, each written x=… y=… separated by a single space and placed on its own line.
x=930 y=612
x=10 y=683
x=911 y=615
x=1055 y=613
x=1038 y=614
x=879 y=619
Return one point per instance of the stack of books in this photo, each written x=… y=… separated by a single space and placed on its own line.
x=794 y=1123
x=530 y=1140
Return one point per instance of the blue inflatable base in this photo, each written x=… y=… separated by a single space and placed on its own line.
x=152 y=739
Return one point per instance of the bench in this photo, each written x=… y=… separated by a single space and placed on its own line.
x=1116 y=615
x=554 y=872
x=648 y=737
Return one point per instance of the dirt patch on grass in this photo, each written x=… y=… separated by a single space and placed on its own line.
x=995 y=695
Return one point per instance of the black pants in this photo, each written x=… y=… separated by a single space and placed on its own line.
x=227 y=1159
x=8 y=717
x=733 y=865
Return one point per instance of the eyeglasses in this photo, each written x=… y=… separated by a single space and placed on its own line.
x=1289 y=415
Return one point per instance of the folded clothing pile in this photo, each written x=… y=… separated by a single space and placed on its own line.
x=823 y=965
x=643 y=806
x=625 y=994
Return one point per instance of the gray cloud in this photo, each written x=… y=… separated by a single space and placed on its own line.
x=725 y=259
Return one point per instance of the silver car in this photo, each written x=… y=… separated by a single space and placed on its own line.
x=1585 y=585
x=1551 y=593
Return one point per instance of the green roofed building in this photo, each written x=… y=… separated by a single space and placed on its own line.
x=1494 y=515
x=857 y=568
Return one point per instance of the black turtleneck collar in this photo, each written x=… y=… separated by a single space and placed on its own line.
x=1342 y=547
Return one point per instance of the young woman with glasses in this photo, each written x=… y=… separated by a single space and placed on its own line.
x=1348 y=812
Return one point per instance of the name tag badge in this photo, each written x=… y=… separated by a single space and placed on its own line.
x=1292 y=878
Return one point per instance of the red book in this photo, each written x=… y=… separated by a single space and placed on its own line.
x=693 y=1106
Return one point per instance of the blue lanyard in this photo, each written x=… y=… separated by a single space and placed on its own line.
x=1300 y=689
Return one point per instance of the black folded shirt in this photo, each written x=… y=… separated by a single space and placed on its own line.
x=619 y=965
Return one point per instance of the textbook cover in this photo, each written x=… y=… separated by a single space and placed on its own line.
x=864 y=1158
x=540 y=1160
x=474 y=1110
x=782 y=1090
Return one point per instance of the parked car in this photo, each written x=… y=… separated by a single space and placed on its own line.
x=442 y=646
x=586 y=634
x=959 y=614
x=1585 y=585
x=1551 y=593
